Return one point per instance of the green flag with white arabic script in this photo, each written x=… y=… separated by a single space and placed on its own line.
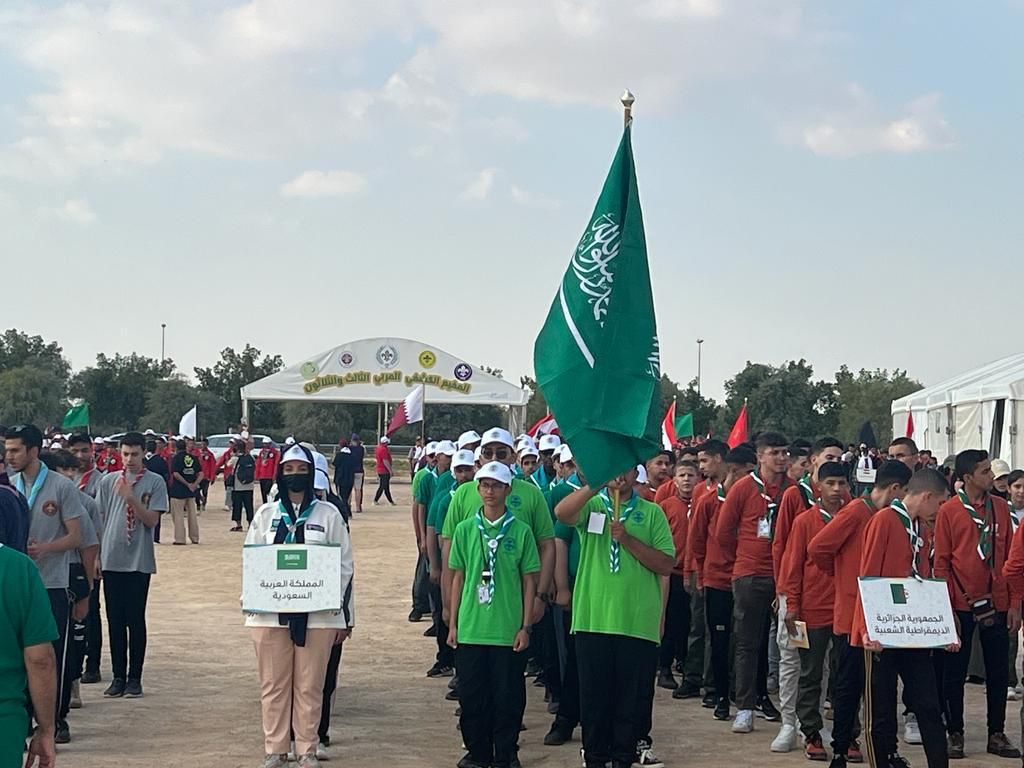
x=77 y=416
x=597 y=358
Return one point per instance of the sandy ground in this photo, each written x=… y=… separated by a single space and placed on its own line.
x=201 y=707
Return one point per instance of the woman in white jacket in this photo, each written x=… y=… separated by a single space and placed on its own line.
x=292 y=650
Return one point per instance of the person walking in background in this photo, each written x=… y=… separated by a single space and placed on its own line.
x=382 y=455
x=415 y=454
x=185 y=477
x=155 y=462
x=245 y=468
x=358 y=457
x=344 y=471
x=207 y=463
x=266 y=469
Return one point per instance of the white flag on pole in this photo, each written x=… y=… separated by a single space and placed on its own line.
x=187 y=426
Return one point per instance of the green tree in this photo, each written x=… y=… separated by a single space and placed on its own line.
x=168 y=400
x=116 y=389
x=18 y=349
x=704 y=409
x=867 y=396
x=232 y=372
x=31 y=394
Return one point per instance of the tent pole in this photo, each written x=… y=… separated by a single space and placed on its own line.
x=380 y=406
x=245 y=412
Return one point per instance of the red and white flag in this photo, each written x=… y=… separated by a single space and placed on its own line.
x=668 y=428
x=546 y=426
x=409 y=412
x=910 y=424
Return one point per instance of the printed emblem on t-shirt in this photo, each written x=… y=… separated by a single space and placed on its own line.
x=515 y=501
x=145 y=499
x=638 y=516
x=51 y=508
x=510 y=544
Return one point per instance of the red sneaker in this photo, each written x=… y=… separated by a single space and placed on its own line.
x=853 y=754
x=815 y=750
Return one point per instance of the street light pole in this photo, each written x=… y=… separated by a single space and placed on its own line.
x=700 y=343
x=163 y=339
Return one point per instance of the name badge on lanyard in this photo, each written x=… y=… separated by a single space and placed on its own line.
x=764 y=528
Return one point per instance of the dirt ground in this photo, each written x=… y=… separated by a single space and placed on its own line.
x=201 y=707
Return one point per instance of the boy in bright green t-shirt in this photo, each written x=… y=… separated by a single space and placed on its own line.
x=626 y=550
x=494 y=563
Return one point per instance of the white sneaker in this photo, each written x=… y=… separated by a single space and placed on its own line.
x=308 y=760
x=911 y=733
x=786 y=739
x=646 y=758
x=744 y=722
x=291 y=754
x=76 y=696
x=321 y=752
x=275 y=761
x=1011 y=694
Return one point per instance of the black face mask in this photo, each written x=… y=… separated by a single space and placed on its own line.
x=296 y=483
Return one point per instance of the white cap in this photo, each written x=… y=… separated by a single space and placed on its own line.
x=497 y=435
x=267 y=441
x=245 y=434
x=97 y=440
x=468 y=438
x=641 y=473
x=289 y=440
x=295 y=453
x=463 y=459
x=385 y=440
x=148 y=433
x=476 y=454
x=320 y=482
x=550 y=442
x=565 y=454
x=529 y=450
x=447 y=447
x=430 y=449
x=523 y=442
x=495 y=470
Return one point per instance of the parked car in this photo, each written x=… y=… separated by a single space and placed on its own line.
x=219 y=444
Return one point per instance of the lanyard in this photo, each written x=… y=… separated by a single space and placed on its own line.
x=489 y=544
x=983 y=523
x=614 y=559
x=772 y=505
x=287 y=514
x=19 y=483
x=912 y=535
x=129 y=510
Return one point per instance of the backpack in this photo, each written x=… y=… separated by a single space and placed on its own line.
x=245 y=469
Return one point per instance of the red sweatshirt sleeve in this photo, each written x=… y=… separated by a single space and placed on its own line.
x=832 y=538
x=942 y=568
x=1013 y=569
x=792 y=504
x=727 y=521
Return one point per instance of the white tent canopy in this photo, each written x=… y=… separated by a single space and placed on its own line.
x=385 y=370
x=981 y=408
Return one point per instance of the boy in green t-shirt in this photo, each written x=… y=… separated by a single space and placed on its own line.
x=626 y=550
x=420 y=581
x=494 y=563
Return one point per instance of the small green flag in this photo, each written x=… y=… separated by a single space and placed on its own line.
x=77 y=416
x=597 y=358
x=684 y=425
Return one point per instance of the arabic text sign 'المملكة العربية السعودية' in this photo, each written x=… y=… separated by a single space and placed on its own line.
x=291 y=578
x=907 y=613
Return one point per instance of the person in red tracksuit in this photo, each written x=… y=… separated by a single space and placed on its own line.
x=111 y=458
x=266 y=467
x=208 y=464
x=226 y=465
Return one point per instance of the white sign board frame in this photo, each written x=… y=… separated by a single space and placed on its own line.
x=907 y=613
x=291 y=578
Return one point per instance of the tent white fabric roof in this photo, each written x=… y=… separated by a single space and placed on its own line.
x=385 y=370
x=999 y=380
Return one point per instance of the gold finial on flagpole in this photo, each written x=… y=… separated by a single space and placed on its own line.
x=627 y=106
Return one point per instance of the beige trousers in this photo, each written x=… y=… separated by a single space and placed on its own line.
x=291 y=686
x=180 y=509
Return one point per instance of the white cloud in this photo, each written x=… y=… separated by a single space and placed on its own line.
x=324 y=184
x=862 y=128
x=77 y=211
x=529 y=200
x=481 y=186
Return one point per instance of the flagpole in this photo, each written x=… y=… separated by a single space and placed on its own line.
x=616 y=504
x=627 y=105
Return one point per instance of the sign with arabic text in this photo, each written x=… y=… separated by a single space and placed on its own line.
x=907 y=613
x=291 y=578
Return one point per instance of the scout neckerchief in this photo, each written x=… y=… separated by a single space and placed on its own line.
x=540 y=473
x=83 y=481
x=1015 y=515
x=19 y=483
x=807 y=490
x=292 y=530
x=720 y=492
x=826 y=516
x=912 y=534
x=689 y=504
x=573 y=481
x=772 y=506
x=489 y=544
x=129 y=510
x=614 y=561
x=984 y=524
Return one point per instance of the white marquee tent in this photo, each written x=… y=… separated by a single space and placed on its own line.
x=981 y=408
x=385 y=371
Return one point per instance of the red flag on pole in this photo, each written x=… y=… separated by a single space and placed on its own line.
x=546 y=426
x=409 y=412
x=668 y=427
x=739 y=429
x=910 y=424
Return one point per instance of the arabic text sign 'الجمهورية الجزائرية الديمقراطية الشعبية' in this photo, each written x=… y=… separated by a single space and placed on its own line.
x=907 y=613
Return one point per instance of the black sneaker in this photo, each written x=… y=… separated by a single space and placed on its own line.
x=133 y=689
x=838 y=761
x=454 y=682
x=468 y=762
x=557 y=736
x=710 y=701
x=666 y=680
x=678 y=668
x=686 y=690
x=722 y=709
x=533 y=668
x=955 y=746
x=440 y=670
x=415 y=615
x=91 y=676
x=766 y=709
x=116 y=689
x=898 y=761
x=452 y=695
x=63 y=734
x=553 y=705
x=430 y=631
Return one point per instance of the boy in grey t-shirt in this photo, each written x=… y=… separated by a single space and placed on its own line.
x=130 y=504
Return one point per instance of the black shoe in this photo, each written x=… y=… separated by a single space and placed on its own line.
x=557 y=736
x=468 y=762
x=767 y=710
x=452 y=695
x=710 y=701
x=133 y=689
x=454 y=682
x=975 y=680
x=553 y=706
x=63 y=734
x=440 y=670
x=430 y=631
x=514 y=762
x=1000 y=746
x=722 y=709
x=116 y=689
x=532 y=668
x=416 y=615
x=678 y=668
x=686 y=691
x=839 y=761
x=91 y=676
x=956 y=746
x=666 y=680
x=897 y=761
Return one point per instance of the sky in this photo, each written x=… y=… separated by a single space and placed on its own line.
x=832 y=181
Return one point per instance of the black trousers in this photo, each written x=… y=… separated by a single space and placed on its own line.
x=849 y=685
x=547 y=652
x=995 y=644
x=445 y=653
x=383 y=488
x=202 y=493
x=330 y=686
x=94 y=630
x=344 y=490
x=265 y=485
x=914 y=668
x=488 y=678
x=125 y=595
x=718 y=610
x=241 y=500
x=677 y=624
x=568 y=716
x=421 y=585
x=614 y=671
x=60 y=605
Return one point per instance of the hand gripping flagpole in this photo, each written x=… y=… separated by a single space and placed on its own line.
x=627 y=106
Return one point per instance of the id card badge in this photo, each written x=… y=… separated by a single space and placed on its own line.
x=482 y=595
x=596 y=523
x=764 y=528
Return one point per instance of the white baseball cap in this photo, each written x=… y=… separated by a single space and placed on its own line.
x=148 y=433
x=497 y=435
x=320 y=482
x=97 y=440
x=447 y=447
x=289 y=440
x=523 y=442
x=529 y=450
x=565 y=453
x=295 y=453
x=550 y=442
x=463 y=459
x=468 y=438
x=495 y=470
x=430 y=449
x=385 y=440
x=267 y=441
